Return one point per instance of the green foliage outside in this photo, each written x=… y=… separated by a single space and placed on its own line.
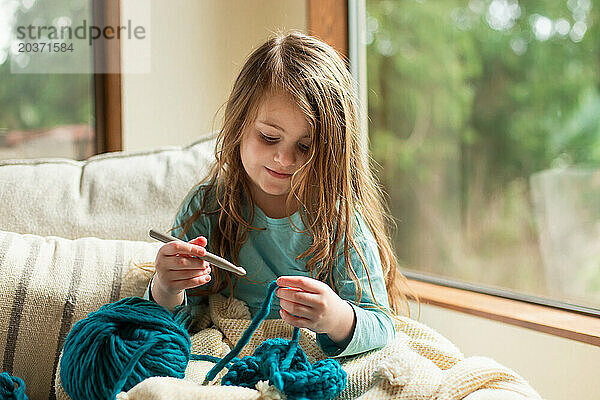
x=468 y=100
x=32 y=101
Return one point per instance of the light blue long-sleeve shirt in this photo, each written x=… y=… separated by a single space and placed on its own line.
x=272 y=252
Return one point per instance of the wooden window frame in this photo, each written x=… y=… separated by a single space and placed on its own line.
x=328 y=20
x=551 y=320
x=107 y=87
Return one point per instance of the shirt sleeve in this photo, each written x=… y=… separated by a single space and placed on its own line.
x=374 y=326
x=148 y=294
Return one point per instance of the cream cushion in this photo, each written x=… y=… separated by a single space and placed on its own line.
x=117 y=195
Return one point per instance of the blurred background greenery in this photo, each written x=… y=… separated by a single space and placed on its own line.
x=469 y=101
x=43 y=114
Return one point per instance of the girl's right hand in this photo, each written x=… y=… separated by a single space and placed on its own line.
x=176 y=270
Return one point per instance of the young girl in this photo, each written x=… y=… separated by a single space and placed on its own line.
x=291 y=197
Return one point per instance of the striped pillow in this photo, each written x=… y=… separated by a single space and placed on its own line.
x=49 y=283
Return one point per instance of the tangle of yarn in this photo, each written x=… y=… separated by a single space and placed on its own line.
x=282 y=362
x=11 y=387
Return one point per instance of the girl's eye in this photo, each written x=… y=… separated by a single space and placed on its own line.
x=268 y=139
x=303 y=148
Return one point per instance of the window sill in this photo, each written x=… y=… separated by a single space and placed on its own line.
x=570 y=325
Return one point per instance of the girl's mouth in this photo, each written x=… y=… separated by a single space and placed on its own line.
x=277 y=174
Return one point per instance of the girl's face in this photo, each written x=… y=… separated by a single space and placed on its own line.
x=272 y=149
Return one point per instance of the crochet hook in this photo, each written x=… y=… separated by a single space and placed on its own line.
x=211 y=258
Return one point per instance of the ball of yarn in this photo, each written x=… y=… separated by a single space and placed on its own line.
x=120 y=345
x=11 y=387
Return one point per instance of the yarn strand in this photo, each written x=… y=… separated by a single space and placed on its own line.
x=258 y=318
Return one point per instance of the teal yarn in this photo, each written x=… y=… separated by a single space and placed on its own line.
x=120 y=345
x=11 y=387
x=123 y=343
x=282 y=362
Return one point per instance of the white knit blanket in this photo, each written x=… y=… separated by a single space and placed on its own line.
x=418 y=364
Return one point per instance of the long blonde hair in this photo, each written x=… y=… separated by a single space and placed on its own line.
x=332 y=186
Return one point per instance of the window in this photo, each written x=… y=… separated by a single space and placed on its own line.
x=484 y=116
x=53 y=102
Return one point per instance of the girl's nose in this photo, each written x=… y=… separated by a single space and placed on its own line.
x=285 y=157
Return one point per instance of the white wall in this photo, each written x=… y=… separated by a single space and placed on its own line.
x=557 y=368
x=197 y=49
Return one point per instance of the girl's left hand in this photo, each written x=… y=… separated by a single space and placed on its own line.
x=309 y=303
